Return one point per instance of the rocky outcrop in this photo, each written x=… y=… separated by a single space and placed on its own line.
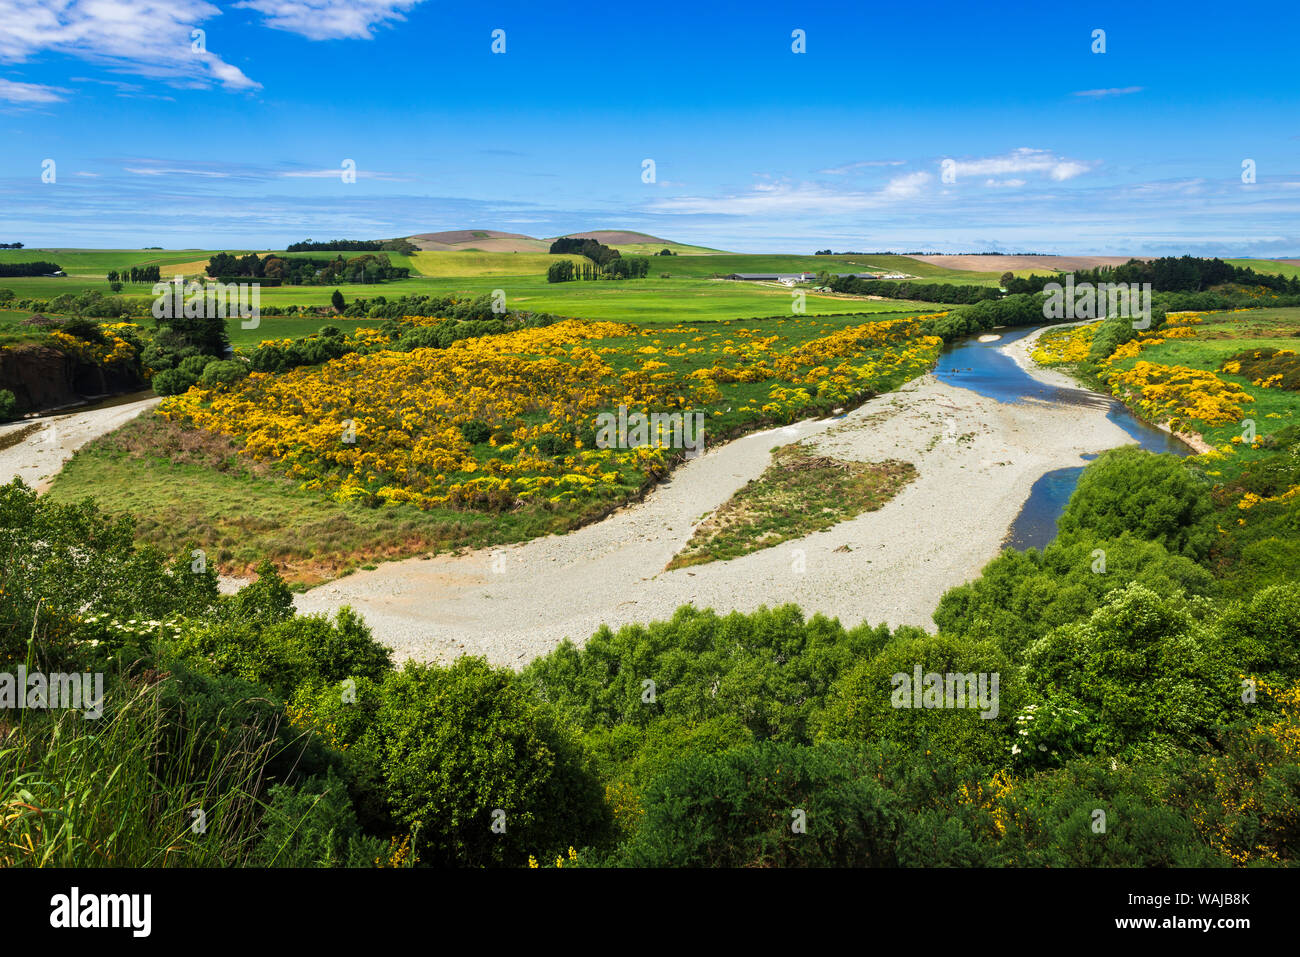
x=42 y=377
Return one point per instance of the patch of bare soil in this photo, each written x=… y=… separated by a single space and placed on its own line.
x=1045 y=263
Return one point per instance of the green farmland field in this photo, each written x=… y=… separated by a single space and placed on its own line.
x=643 y=300
x=640 y=300
x=467 y=263
x=97 y=262
x=707 y=265
x=1266 y=266
x=652 y=249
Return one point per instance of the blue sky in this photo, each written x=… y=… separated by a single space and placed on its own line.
x=1050 y=146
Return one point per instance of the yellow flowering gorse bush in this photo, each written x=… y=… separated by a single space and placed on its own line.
x=390 y=426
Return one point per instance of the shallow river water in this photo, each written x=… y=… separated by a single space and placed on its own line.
x=981 y=367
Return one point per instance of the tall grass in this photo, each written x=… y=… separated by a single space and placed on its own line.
x=123 y=790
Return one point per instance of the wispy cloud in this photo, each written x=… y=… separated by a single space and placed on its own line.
x=330 y=19
x=905 y=186
x=1111 y=91
x=335 y=173
x=862 y=164
x=143 y=37
x=174 y=171
x=1022 y=160
x=131 y=91
x=29 y=93
x=782 y=196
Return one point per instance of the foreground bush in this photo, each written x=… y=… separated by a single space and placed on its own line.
x=470 y=762
x=781 y=805
x=1155 y=497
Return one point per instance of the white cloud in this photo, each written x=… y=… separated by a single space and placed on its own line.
x=864 y=164
x=143 y=37
x=780 y=196
x=14 y=92
x=335 y=173
x=1004 y=182
x=174 y=171
x=1023 y=160
x=330 y=19
x=909 y=184
x=1111 y=91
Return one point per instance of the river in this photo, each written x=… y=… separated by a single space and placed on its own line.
x=984 y=369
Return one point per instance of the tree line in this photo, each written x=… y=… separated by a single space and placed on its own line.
x=28 y=269
x=302 y=271
x=138 y=274
x=354 y=245
x=597 y=252
x=629 y=267
x=1167 y=274
x=919 y=291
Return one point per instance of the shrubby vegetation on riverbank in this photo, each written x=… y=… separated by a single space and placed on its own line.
x=695 y=741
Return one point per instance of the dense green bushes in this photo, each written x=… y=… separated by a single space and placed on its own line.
x=1018 y=310
x=1146 y=671
x=1154 y=497
x=919 y=291
x=770 y=805
x=1097 y=813
x=1020 y=596
x=771 y=669
x=862 y=705
x=314 y=825
x=479 y=770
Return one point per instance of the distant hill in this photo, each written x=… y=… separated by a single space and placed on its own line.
x=486 y=240
x=631 y=242
x=618 y=237
x=495 y=241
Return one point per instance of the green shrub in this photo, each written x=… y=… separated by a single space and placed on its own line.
x=172 y=382
x=475 y=432
x=1145 y=670
x=194 y=365
x=8 y=405
x=266 y=600
x=454 y=746
x=1156 y=497
x=1020 y=596
x=771 y=667
x=1262 y=633
x=1096 y=813
x=861 y=807
x=87 y=330
x=314 y=825
x=869 y=703
x=222 y=372
x=261 y=641
x=73 y=562
x=238 y=708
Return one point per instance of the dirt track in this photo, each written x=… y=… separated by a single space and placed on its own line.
x=39 y=456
